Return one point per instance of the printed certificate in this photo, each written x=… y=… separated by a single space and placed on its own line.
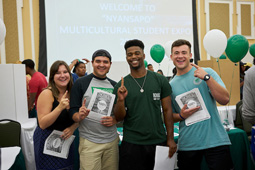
x=100 y=105
x=56 y=146
x=193 y=98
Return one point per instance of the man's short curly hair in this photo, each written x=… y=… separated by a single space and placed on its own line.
x=134 y=42
x=29 y=63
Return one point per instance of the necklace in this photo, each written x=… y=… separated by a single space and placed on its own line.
x=141 y=90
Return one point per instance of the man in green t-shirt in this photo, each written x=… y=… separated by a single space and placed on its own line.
x=139 y=97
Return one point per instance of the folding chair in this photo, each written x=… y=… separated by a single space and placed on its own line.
x=10 y=131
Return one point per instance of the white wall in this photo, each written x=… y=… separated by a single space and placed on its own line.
x=13 y=92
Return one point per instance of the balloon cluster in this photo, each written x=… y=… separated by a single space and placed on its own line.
x=236 y=47
x=215 y=43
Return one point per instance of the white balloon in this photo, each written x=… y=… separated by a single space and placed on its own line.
x=215 y=42
x=168 y=46
x=2 y=31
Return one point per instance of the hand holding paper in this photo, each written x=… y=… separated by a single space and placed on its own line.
x=67 y=133
x=108 y=121
x=185 y=113
x=172 y=148
x=162 y=161
x=193 y=95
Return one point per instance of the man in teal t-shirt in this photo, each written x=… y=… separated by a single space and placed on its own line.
x=139 y=97
x=205 y=138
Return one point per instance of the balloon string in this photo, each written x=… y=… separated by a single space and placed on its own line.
x=218 y=61
x=231 y=84
x=168 y=69
x=227 y=106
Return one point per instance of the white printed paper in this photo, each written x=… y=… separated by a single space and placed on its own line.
x=193 y=99
x=162 y=161
x=100 y=105
x=56 y=146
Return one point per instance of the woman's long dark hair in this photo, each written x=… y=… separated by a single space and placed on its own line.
x=53 y=70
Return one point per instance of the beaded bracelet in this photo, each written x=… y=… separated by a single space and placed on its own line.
x=181 y=116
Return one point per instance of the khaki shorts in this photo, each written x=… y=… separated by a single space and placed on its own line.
x=99 y=156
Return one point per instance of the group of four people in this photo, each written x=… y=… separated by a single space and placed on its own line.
x=141 y=97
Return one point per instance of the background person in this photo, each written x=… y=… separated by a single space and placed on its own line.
x=98 y=140
x=52 y=107
x=139 y=96
x=79 y=68
x=249 y=96
x=243 y=68
x=36 y=84
x=150 y=67
x=28 y=78
x=160 y=72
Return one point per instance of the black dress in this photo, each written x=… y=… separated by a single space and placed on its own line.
x=48 y=162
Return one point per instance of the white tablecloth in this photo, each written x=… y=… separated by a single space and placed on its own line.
x=8 y=156
x=27 y=144
x=227 y=112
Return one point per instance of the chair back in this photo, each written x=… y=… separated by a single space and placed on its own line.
x=10 y=131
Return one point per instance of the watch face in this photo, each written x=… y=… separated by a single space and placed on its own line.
x=207 y=77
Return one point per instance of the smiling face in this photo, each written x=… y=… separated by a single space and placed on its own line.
x=135 y=57
x=62 y=77
x=181 y=56
x=101 y=66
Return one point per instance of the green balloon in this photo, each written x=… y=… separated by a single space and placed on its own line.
x=237 y=48
x=252 y=50
x=145 y=63
x=157 y=53
x=222 y=56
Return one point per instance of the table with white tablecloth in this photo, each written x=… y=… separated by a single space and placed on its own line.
x=227 y=113
x=12 y=158
x=27 y=144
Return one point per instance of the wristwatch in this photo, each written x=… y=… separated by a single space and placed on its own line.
x=207 y=77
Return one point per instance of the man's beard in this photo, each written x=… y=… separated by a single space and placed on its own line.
x=135 y=68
